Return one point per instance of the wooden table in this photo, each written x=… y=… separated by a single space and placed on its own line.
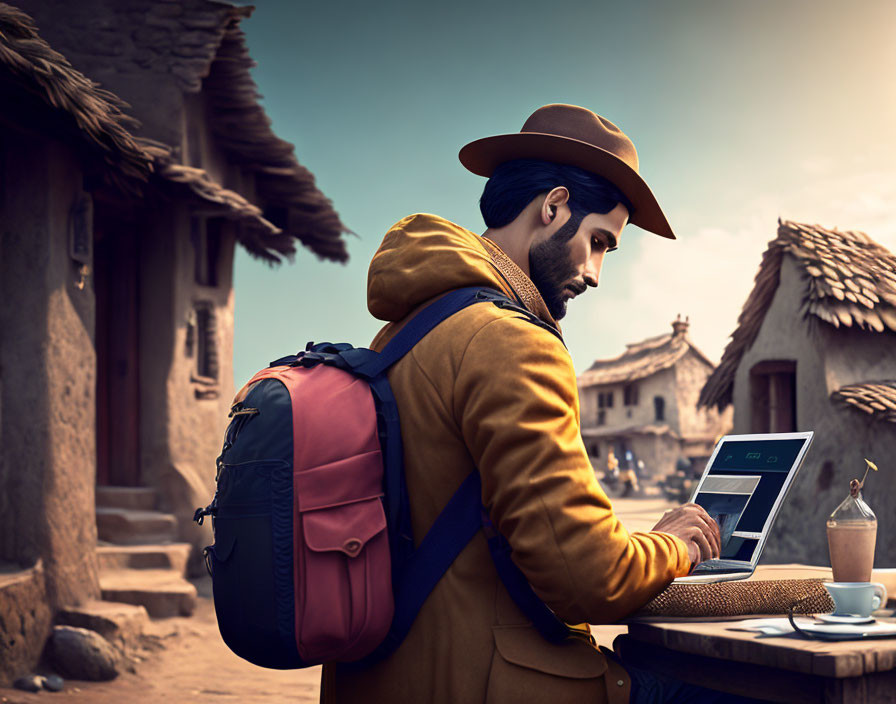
x=776 y=669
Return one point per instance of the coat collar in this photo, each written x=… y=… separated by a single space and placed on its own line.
x=522 y=285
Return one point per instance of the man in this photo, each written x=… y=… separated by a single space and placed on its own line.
x=494 y=391
x=628 y=475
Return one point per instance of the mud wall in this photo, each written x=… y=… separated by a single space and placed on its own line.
x=47 y=365
x=826 y=359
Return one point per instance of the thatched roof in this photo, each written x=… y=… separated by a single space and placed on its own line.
x=642 y=359
x=286 y=187
x=258 y=235
x=28 y=62
x=850 y=281
x=878 y=399
x=197 y=45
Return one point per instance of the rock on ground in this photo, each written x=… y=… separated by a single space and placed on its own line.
x=81 y=654
x=53 y=683
x=29 y=683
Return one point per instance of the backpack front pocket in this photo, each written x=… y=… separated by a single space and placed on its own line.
x=344 y=574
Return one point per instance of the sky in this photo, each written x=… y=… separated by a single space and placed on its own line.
x=742 y=112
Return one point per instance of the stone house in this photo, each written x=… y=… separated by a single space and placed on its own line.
x=117 y=240
x=814 y=349
x=645 y=402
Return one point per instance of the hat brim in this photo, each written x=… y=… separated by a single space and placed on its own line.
x=484 y=155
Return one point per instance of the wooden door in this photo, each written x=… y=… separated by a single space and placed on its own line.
x=116 y=279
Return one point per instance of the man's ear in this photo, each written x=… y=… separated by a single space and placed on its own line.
x=551 y=204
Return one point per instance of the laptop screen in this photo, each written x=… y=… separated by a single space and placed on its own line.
x=743 y=483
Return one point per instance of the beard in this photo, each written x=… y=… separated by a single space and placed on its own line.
x=551 y=268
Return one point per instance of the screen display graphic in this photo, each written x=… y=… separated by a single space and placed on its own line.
x=725 y=498
x=741 y=487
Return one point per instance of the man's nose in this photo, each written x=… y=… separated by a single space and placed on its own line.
x=591 y=274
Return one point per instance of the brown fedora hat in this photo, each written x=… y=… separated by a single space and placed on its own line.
x=568 y=134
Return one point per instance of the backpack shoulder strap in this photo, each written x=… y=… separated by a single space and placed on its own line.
x=428 y=318
x=452 y=530
x=463 y=516
x=457 y=524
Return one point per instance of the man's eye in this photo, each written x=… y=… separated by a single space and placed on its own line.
x=597 y=243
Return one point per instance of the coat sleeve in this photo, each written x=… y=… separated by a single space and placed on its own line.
x=516 y=402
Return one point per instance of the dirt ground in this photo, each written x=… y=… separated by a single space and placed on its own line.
x=185 y=660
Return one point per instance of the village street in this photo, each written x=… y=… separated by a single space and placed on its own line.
x=190 y=189
x=185 y=660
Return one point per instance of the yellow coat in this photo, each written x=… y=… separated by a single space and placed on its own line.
x=489 y=390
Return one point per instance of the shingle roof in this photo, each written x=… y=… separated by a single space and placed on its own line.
x=648 y=429
x=640 y=359
x=31 y=64
x=877 y=399
x=850 y=281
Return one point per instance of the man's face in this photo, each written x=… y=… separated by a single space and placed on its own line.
x=568 y=261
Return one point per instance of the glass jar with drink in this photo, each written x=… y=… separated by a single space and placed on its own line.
x=852 y=533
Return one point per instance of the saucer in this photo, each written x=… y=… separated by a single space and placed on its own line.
x=835 y=618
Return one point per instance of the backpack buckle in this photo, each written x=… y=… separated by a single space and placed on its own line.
x=200 y=513
x=309 y=359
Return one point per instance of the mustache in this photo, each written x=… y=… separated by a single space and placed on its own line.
x=577 y=287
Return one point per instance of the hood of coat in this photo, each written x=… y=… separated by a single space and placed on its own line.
x=424 y=256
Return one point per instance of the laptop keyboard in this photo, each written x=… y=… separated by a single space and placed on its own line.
x=720 y=566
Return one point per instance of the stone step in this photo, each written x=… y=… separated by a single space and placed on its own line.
x=118 y=623
x=163 y=593
x=171 y=556
x=131 y=527
x=140 y=498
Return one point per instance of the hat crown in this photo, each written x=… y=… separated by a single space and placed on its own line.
x=574 y=122
x=569 y=134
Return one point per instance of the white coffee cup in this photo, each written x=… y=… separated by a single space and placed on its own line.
x=856 y=598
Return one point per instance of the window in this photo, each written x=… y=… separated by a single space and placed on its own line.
x=205 y=234
x=773 y=397
x=601 y=417
x=659 y=408
x=206 y=343
x=194 y=139
x=595 y=449
x=81 y=229
x=202 y=329
x=193 y=127
x=630 y=395
x=605 y=399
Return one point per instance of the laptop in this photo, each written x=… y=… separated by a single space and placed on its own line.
x=743 y=488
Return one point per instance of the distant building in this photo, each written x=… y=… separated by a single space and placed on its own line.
x=645 y=402
x=116 y=255
x=814 y=349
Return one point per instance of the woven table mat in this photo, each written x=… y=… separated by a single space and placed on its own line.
x=741 y=598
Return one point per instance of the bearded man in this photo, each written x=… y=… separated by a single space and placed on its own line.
x=493 y=390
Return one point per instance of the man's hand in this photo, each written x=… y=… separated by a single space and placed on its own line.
x=695 y=527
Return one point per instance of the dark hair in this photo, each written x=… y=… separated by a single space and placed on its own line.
x=515 y=183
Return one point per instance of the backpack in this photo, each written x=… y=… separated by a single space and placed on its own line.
x=313 y=558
